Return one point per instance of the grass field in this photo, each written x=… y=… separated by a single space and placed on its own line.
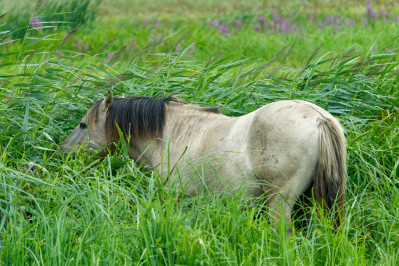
x=236 y=56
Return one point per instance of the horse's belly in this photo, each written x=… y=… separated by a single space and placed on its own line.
x=222 y=171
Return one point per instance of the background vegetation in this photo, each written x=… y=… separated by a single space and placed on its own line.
x=58 y=57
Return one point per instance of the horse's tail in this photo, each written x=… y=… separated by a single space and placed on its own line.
x=329 y=180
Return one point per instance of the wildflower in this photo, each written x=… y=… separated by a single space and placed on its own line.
x=87 y=47
x=30 y=165
x=257 y=28
x=276 y=18
x=272 y=25
x=109 y=57
x=75 y=46
x=133 y=45
x=238 y=22
x=5 y=99
x=159 y=38
x=389 y=50
x=365 y=21
x=370 y=12
x=223 y=28
x=383 y=14
x=261 y=19
x=215 y=23
x=157 y=25
x=285 y=26
x=35 y=22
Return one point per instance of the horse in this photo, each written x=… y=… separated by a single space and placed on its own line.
x=277 y=152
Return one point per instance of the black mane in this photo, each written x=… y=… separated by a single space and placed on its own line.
x=135 y=116
x=141 y=116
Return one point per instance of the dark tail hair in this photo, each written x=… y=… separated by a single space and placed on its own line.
x=330 y=176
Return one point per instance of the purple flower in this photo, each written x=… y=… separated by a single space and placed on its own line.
x=272 y=25
x=87 y=47
x=370 y=12
x=383 y=14
x=35 y=22
x=133 y=45
x=5 y=99
x=389 y=50
x=75 y=46
x=59 y=53
x=109 y=57
x=257 y=28
x=238 y=22
x=30 y=165
x=276 y=18
x=223 y=28
x=177 y=48
x=261 y=19
x=146 y=22
x=8 y=95
x=285 y=26
x=159 y=37
x=215 y=23
x=157 y=25
x=365 y=21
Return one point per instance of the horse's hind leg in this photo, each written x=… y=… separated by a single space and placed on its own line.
x=282 y=201
x=280 y=208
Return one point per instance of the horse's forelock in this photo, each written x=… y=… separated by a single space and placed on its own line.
x=92 y=114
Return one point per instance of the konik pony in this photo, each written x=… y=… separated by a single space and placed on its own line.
x=278 y=151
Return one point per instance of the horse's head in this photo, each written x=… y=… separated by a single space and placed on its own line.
x=91 y=129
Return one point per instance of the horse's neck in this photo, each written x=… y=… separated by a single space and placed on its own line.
x=186 y=123
x=184 y=126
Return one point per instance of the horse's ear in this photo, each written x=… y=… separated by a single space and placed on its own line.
x=107 y=101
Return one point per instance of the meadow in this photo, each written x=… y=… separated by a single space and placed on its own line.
x=58 y=57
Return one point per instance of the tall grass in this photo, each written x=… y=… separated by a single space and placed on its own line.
x=87 y=210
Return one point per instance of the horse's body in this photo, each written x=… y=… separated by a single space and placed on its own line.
x=279 y=150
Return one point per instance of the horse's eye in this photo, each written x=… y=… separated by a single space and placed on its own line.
x=82 y=125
